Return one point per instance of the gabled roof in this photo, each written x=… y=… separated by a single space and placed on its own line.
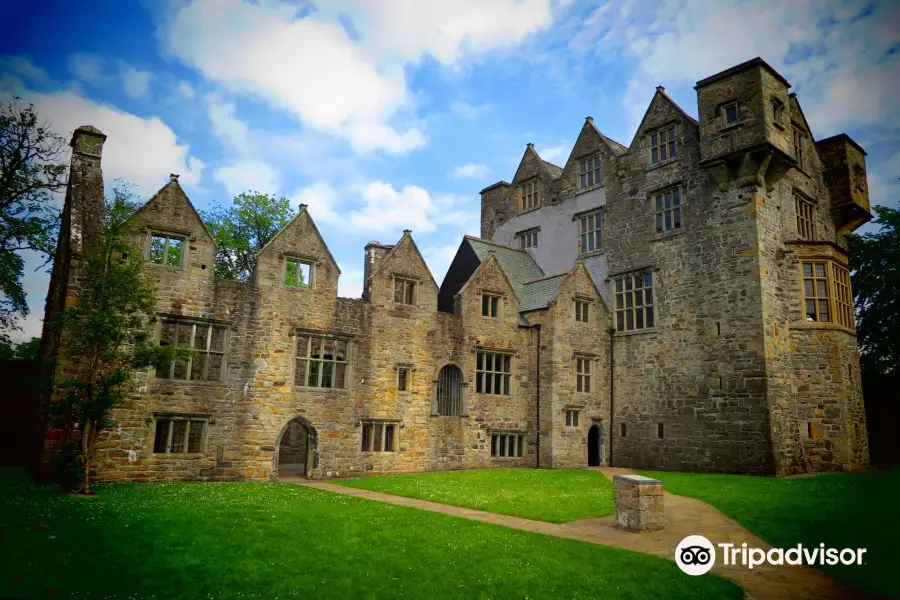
x=303 y=211
x=517 y=265
x=617 y=148
x=555 y=170
x=173 y=182
x=538 y=293
x=492 y=256
x=661 y=93
x=407 y=235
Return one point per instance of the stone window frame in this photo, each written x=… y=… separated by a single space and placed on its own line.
x=799 y=137
x=590 y=169
x=300 y=332
x=805 y=210
x=169 y=234
x=527 y=238
x=495 y=307
x=412 y=290
x=590 y=229
x=647 y=307
x=584 y=372
x=408 y=369
x=161 y=318
x=300 y=259
x=667 y=204
x=368 y=435
x=191 y=420
x=831 y=286
x=663 y=140
x=506 y=377
x=778 y=113
x=582 y=308
x=573 y=416
x=724 y=111
x=500 y=445
x=531 y=199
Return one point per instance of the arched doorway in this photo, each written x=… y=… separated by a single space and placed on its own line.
x=296 y=449
x=595 y=446
x=448 y=396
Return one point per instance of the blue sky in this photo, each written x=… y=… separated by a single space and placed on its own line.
x=388 y=118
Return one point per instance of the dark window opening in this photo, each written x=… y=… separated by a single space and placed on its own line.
x=622 y=429
x=660 y=430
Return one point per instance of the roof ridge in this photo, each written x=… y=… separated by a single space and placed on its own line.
x=492 y=243
x=561 y=274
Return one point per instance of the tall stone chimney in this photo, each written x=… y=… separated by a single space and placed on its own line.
x=375 y=252
x=84 y=196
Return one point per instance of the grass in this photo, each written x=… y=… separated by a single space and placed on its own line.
x=273 y=541
x=845 y=510
x=543 y=495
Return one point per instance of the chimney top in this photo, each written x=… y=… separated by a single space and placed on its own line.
x=88 y=140
x=589 y=119
x=660 y=89
x=407 y=231
x=302 y=207
x=173 y=176
x=530 y=145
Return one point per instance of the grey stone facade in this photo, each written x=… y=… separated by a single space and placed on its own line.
x=511 y=361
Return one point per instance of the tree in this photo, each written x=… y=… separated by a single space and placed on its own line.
x=30 y=173
x=243 y=229
x=29 y=350
x=110 y=339
x=875 y=266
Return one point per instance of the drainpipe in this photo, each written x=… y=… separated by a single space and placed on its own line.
x=612 y=366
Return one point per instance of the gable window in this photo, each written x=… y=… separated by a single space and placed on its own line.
x=166 y=250
x=581 y=310
x=209 y=343
x=527 y=239
x=589 y=232
x=777 y=111
x=589 y=172
x=322 y=360
x=571 y=417
x=404 y=291
x=490 y=305
x=378 y=436
x=826 y=293
x=507 y=445
x=731 y=113
x=800 y=148
x=493 y=372
x=662 y=145
x=529 y=194
x=176 y=435
x=634 y=301
x=582 y=374
x=297 y=273
x=402 y=379
x=668 y=210
x=806 y=217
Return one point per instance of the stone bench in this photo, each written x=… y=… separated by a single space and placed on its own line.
x=640 y=505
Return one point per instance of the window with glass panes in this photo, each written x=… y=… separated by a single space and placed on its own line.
x=634 y=301
x=378 y=436
x=404 y=291
x=527 y=239
x=176 y=435
x=582 y=374
x=731 y=113
x=581 y=310
x=815 y=291
x=571 y=418
x=322 y=361
x=668 y=209
x=589 y=232
x=589 y=172
x=493 y=371
x=806 y=217
x=166 y=250
x=507 y=445
x=209 y=343
x=662 y=145
x=528 y=195
x=800 y=148
x=843 y=299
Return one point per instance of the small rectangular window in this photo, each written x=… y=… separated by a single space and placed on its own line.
x=581 y=310
x=800 y=148
x=529 y=195
x=622 y=429
x=633 y=297
x=404 y=291
x=507 y=445
x=660 y=430
x=582 y=374
x=527 y=239
x=589 y=232
x=378 y=436
x=166 y=250
x=175 y=435
x=589 y=172
x=493 y=372
x=806 y=217
x=777 y=111
x=571 y=418
x=662 y=145
x=297 y=273
x=402 y=379
x=490 y=305
x=668 y=210
x=731 y=113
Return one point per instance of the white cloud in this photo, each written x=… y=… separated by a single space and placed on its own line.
x=469 y=111
x=185 y=90
x=321 y=199
x=135 y=81
x=471 y=171
x=87 y=67
x=556 y=154
x=241 y=177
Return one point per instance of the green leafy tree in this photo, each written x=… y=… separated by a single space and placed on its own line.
x=875 y=266
x=108 y=339
x=242 y=229
x=30 y=173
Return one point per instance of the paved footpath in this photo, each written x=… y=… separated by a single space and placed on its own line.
x=685 y=516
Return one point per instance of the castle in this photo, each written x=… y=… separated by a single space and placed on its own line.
x=682 y=303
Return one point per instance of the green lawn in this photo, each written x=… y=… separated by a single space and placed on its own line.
x=846 y=510
x=273 y=541
x=543 y=495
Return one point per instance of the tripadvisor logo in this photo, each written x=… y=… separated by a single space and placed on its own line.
x=696 y=555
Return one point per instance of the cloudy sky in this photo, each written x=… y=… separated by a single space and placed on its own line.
x=383 y=115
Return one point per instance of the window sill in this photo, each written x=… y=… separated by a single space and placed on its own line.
x=483 y=395
x=659 y=237
x=591 y=253
x=734 y=125
x=663 y=163
x=636 y=332
x=821 y=325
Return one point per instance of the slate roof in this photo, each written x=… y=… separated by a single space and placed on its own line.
x=537 y=294
x=517 y=264
x=554 y=170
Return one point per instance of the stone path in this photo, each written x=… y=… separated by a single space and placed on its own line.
x=685 y=516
